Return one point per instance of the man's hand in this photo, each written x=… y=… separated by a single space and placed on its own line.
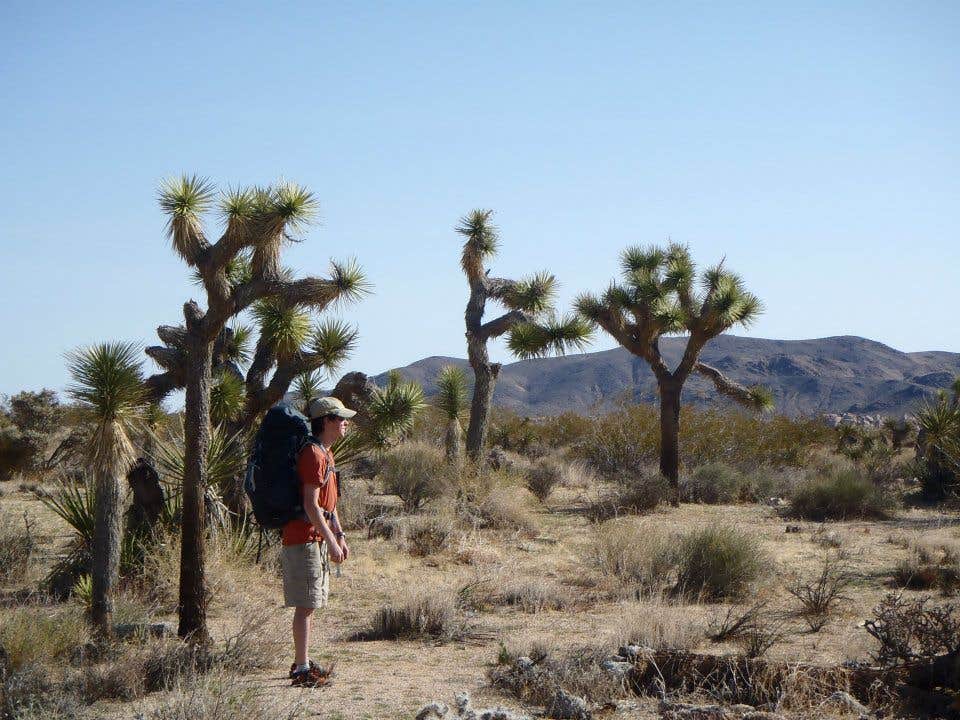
x=342 y=541
x=336 y=554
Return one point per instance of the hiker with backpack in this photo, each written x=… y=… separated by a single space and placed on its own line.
x=293 y=485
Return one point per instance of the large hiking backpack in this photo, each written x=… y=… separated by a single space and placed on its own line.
x=272 y=483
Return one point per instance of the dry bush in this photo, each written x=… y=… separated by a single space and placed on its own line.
x=17 y=546
x=661 y=626
x=634 y=552
x=820 y=596
x=635 y=494
x=718 y=562
x=543 y=476
x=757 y=639
x=504 y=508
x=416 y=472
x=221 y=697
x=713 y=483
x=928 y=566
x=735 y=622
x=356 y=507
x=473 y=549
x=29 y=694
x=429 y=615
x=908 y=631
x=34 y=634
x=427 y=535
x=839 y=495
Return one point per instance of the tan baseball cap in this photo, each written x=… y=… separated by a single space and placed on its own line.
x=328 y=406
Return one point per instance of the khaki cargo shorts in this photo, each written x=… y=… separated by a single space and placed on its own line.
x=306 y=575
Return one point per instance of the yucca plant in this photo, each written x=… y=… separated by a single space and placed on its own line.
x=938 y=441
x=109 y=392
x=306 y=387
x=658 y=296
x=451 y=401
x=529 y=319
x=239 y=272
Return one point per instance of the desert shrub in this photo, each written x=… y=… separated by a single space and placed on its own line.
x=736 y=622
x=357 y=508
x=429 y=615
x=543 y=476
x=712 y=483
x=636 y=493
x=427 y=535
x=506 y=508
x=17 y=546
x=718 y=562
x=15 y=452
x=629 y=438
x=533 y=596
x=28 y=693
x=633 y=552
x=34 y=634
x=820 y=595
x=416 y=472
x=912 y=630
x=927 y=567
x=839 y=495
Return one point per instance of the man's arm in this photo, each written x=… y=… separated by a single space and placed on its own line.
x=311 y=506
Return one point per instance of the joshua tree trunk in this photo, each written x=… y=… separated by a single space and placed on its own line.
x=105 y=565
x=670 y=436
x=193 y=602
x=485 y=373
x=453 y=442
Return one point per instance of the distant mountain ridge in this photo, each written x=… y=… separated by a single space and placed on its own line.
x=807 y=377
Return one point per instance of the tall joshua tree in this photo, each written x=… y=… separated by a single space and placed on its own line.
x=240 y=270
x=452 y=402
x=657 y=297
x=529 y=320
x=108 y=388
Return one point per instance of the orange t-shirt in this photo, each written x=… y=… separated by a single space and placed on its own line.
x=312 y=468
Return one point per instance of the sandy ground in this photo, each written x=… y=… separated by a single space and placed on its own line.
x=394 y=679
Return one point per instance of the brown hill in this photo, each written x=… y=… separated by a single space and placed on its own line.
x=807 y=377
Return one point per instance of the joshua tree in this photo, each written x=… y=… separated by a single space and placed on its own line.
x=241 y=270
x=529 y=320
x=658 y=297
x=452 y=402
x=108 y=388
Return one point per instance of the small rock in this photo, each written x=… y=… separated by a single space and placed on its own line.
x=793 y=529
x=433 y=711
x=632 y=652
x=524 y=664
x=848 y=702
x=568 y=707
x=617 y=668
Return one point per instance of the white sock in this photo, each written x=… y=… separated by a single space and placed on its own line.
x=304 y=667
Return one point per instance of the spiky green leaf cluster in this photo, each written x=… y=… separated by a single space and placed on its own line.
x=334 y=341
x=240 y=344
x=349 y=281
x=535 y=294
x=307 y=387
x=482 y=242
x=393 y=410
x=452 y=392
x=226 y=457
x=228 y=398
x=761 y=398
x=184 y=200
x=554 y=336
x=285 y=327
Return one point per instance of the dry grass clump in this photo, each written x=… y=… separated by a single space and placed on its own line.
x=416 y=472
x=928 y=566
x=356 y=507
x=35 y=634
x=506 y=507
x=718 y=562
x=221 y=697
x=534 y=596
x=17 y=545
x=634 y=552
x=636 y=493
x=661 y=626
x=428 y=534
x=430 y=615
x=841 y=494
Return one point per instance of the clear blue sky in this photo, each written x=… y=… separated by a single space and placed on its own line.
x=816 y=145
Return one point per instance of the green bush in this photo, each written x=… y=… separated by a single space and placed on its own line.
x=416 y=472
x=841 y=494
x=718 y=562
x=713 y=483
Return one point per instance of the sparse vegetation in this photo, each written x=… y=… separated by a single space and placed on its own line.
x=820 y=596
x=543 y=476
x=636 y=493
x=416 y=472
x=17 y=546
x=713 y=483
x=430 y=615
x=718 y=562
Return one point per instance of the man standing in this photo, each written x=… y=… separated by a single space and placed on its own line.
x=310 y=542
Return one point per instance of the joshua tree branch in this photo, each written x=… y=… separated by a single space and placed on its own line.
x=726 y=386
x=499 y=288
x=496 y=328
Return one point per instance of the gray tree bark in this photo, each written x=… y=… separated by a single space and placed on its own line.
x=105 y=563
